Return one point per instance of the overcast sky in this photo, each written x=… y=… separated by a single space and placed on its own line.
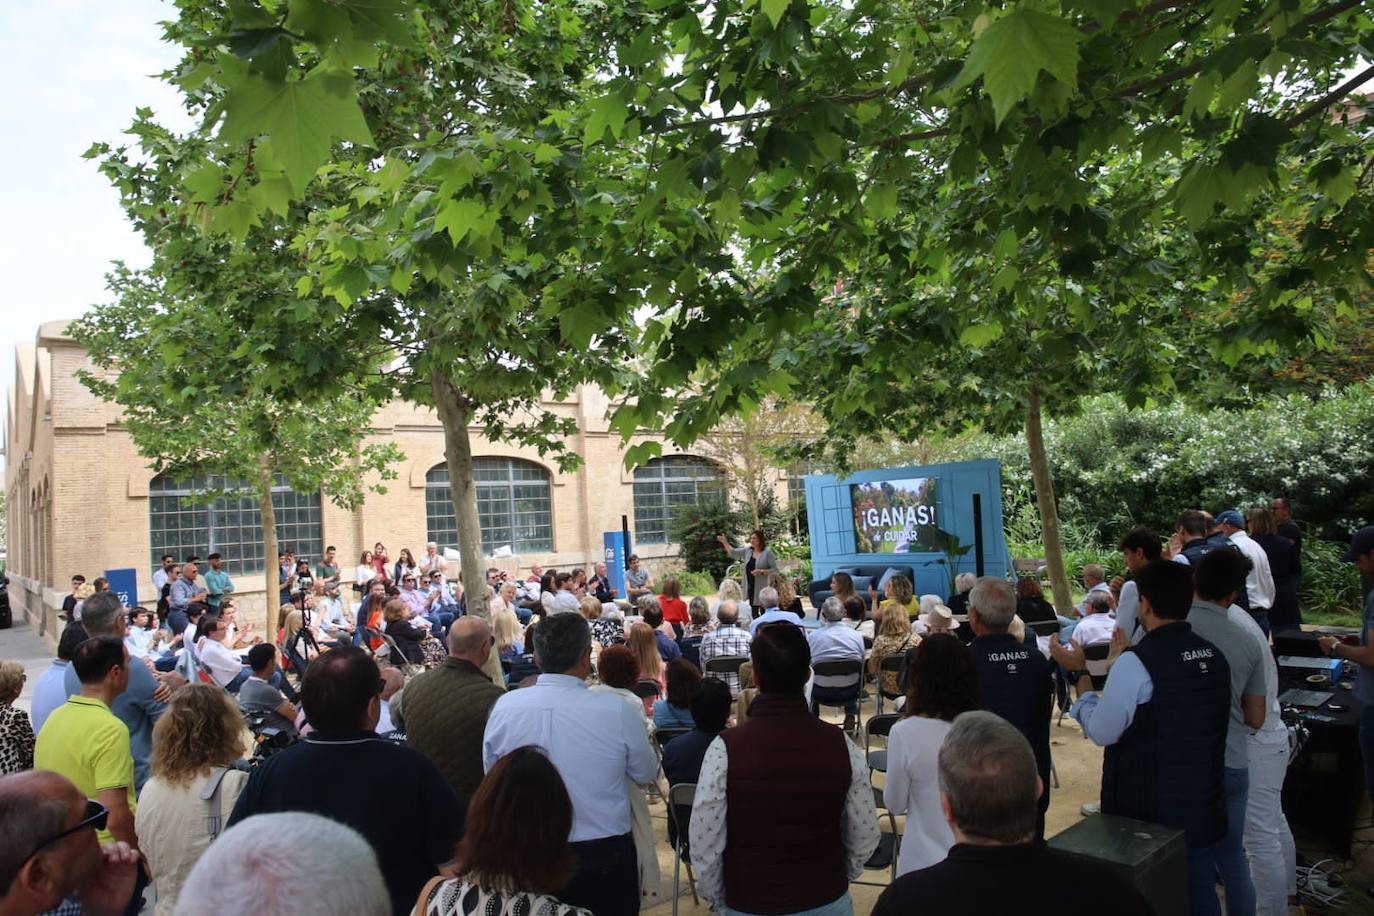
x=73 y=72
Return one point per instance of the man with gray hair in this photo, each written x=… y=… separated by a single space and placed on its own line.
x=597 y=741
x=287 y=863
x=771 y=613
x=988 y=791
x=835 y=642
x=727 y=640
x=444 y=711
x=1097 y=623
x=50 y=855
x=1016 y=680
x=139 y=706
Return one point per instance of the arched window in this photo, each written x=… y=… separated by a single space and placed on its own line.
x=513 y=504
x=229 y=526
x=664 y=484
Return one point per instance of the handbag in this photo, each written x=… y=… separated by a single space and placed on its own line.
x=210 y=795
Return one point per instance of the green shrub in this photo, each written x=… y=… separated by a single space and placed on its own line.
x=697 y=583
x=694 y=529
x=1329 y=586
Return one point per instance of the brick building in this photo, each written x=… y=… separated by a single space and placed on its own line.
x=81 y=500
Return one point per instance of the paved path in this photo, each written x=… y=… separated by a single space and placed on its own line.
x=21 y=644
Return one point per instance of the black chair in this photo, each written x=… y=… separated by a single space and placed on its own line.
x=1095 y=659
x=868 y=643
x=646 y=689
x=891 y=663
x=691 y=649
x=1043 y=627
x=726 y=664
x=682 y=795
x=879 y=726
x=837 y=696
x=889 y=844
x=664 y=735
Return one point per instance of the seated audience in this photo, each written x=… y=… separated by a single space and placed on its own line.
x=445 y=709
x=958 y=602
x=643 y=643
x=16 y=733
x=894 y=637
x=221 y=663
x=856 y=617
x=788 y=600
x=564 y=600
x=638 y=579
x=194 y=785
x=769 y=612
x=665 y=636
x=938 y=619
x=1031 y=605
x=1097 y=623
x=698 y=618
x=257 y=695
x=675 y=709
x=510 y=637
x=287 y=864
x=683 y=755
x=617 y=672
x=515 y=856
x=51 y=859
x=842 y=587
x=727 y=640
x=671 y=603
x=393 y=682
x=597 y=743
x=900 y=595
x=402 y=628
x=941 y=684
x=835 y=642
x=411 y=817
x=801 y=822
x=609 y=629
x=988 y=795
x=730 y=591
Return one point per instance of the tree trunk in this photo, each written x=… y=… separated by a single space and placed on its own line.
x=454 y=414
x=1049 y=511
x=272 y=595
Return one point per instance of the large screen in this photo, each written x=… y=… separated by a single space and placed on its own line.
x=895 y=516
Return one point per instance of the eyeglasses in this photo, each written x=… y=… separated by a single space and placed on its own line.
x=96 y=816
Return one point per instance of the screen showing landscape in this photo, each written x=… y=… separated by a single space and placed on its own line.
x=895 y=516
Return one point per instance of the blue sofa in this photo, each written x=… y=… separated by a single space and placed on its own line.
x=863 y=575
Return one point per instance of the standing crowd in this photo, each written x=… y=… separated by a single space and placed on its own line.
x=416 y=758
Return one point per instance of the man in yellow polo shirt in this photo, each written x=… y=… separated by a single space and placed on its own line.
x=85 y=742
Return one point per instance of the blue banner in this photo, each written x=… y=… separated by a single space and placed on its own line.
x=614 y=556
x=124 y=583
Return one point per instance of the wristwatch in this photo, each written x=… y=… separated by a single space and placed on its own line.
x=1076 y=676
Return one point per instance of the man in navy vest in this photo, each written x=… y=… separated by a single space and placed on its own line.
x=1190 y=542
x=783 y=818
x=1162 y=717
x=1015 y=678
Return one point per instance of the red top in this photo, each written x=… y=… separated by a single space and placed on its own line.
x=674 y=609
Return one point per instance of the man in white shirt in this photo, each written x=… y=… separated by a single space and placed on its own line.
x=1259 y=583
x=597 y=741
x=835 y=642
x=1139 y=547
x=162 y=575
x=433 y=561
x=1097 y=624
x=329 y=615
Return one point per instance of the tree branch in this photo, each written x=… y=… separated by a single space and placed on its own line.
x=1325 y=102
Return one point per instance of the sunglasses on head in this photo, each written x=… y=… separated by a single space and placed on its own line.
x=97 y=815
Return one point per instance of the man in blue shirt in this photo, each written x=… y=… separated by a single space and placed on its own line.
x=1361 y=553
x=833 y=642
x=187 y=589
x=139 y=706
x=1162 y=716
x=768 y=603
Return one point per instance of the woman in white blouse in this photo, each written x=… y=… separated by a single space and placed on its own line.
x=941 y=684
x=364 y=572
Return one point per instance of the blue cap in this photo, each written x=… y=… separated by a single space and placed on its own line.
x=1231 y=517
x=1361 y=542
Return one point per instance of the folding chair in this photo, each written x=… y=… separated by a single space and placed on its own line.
x=1095 y=660
x=881 y=726
x=684 y=794
x=891 y=663
x=889 y=843
x=725 y=664
x=838 y=696
x=398 y=660
x=1043 y=627
x=646 y=689
x=664 y=735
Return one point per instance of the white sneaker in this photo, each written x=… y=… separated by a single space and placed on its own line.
x=1090 y=809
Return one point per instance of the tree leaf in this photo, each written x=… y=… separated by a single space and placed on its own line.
x=980 y=335
x=303 y=117
x=774 y=10
x=1011 y=52
x=607 y=113
x=460 y=216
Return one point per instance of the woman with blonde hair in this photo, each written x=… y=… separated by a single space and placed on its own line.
x=644 y=644
x=730 y=591
x=184 y=806
x=900 y=595
x=787 y=594
x=505 y=627
x=16 y=732
x=894 y=637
